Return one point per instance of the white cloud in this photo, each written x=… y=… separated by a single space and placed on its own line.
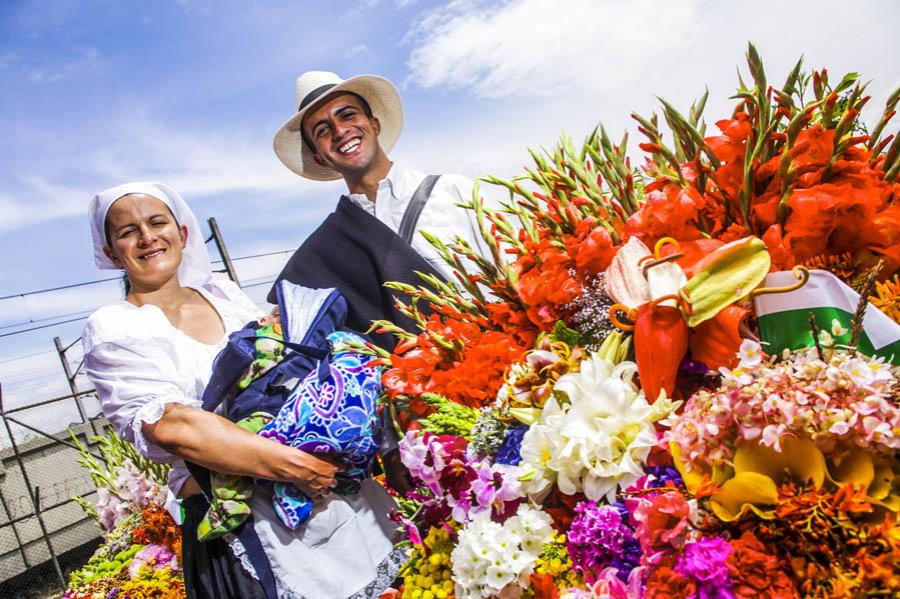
x=201 y=8
x=543 y=47
x=359 y=10
x=7 y=59
x=536 y=67
x=84 y=59
x=198 y=163
x=354 y=50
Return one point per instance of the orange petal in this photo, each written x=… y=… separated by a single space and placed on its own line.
x=716 y=341
x=660 y=343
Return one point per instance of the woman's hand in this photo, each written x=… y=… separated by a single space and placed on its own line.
x=315 y=476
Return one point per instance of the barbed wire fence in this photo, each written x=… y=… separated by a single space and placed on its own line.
x=44 y=534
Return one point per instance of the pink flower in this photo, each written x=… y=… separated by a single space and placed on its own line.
x=661 y=524
x=156 y=556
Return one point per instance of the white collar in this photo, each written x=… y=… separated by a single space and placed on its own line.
x=399 y=182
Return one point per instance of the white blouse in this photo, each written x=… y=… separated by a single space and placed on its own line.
x=139 y=362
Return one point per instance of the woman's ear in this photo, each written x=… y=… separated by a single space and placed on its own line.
x=183 y=230
x=112 y=256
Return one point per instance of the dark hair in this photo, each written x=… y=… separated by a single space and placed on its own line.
x=367 y=110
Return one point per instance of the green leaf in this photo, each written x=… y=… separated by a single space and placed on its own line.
x=563 y=333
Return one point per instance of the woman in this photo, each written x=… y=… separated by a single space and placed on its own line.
x=150 y=357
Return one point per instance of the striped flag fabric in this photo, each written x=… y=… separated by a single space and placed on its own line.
x=784 y=317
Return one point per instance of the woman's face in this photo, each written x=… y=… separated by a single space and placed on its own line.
x=144 y=240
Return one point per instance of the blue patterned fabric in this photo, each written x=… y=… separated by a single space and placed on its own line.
x=334 y=414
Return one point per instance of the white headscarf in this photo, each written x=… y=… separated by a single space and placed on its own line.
x=195 y=268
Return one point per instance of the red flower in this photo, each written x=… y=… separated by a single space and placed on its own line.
x=669 y=211
x=755 y=571
x=593 y=251
x=660 y=343
x=813 y=147
x=661 y=525
x=666 y=583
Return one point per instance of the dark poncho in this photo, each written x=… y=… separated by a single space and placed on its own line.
x=357 y=253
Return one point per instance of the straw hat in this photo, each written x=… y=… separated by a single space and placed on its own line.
x=382 y=96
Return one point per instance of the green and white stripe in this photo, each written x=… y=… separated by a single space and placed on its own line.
x=784 y=317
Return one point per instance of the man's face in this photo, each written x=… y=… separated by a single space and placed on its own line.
x=345 y=139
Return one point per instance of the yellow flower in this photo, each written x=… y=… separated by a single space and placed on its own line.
x=759 y=470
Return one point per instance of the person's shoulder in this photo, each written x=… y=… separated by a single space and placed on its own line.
x=454 y=187
x=120 y=322
x=224 y=287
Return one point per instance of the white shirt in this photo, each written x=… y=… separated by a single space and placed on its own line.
x=440 y=217
x=139 y=362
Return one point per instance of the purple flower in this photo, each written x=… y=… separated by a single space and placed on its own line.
x=693 y=367
x=157 y=557
x=510 y=450
x=113 y=593
x=599 y=538
x=703 y=562
x=662 y=475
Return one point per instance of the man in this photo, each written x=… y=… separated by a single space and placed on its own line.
x=344 y=129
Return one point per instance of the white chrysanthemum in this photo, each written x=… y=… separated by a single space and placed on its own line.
x=597 y=442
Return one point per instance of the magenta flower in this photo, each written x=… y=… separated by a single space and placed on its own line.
x=703 y=561
x=156 y=556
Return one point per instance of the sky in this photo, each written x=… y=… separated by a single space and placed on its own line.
x=190 y=92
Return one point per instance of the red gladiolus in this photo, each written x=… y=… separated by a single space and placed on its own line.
x=669 y=211
x=660 y=344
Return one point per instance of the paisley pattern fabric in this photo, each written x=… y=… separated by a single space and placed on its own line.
x=334 y=414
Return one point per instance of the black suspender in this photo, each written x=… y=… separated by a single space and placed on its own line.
x=414 y=209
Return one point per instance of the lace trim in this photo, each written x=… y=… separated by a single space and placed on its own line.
x=240 y=553
x=385 y=574
x=150 y=413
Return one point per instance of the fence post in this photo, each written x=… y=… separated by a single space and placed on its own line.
x=15 y=530
x=34 y=494
x=70 y=378
x=223 y=251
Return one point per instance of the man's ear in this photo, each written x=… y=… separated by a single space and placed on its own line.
x=319 y=160
x=376 y=125
x=109 y=254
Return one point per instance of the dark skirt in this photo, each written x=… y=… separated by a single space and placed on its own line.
x=210 y=569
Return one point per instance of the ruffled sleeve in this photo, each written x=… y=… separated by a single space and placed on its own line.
x=133 y=368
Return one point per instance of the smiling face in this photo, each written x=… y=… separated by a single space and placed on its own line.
x=345 y=138
x=145 y=240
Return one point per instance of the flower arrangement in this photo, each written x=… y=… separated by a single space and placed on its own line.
x=489 y=555
x=141 y=555
x=607 y=413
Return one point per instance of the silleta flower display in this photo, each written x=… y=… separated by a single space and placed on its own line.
x=672 y=381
